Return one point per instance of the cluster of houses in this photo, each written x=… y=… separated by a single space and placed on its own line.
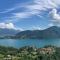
x=48 y=50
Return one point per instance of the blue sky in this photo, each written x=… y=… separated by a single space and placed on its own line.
x=29 y=14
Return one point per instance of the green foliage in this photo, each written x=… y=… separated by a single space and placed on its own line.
x=30 y=53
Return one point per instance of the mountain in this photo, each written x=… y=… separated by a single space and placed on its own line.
x=51 y=32
x=8 y=32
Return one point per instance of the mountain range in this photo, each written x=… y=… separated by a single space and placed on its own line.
x=51 y=32
x=8 y=32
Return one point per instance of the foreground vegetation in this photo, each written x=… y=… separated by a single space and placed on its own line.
x=30 y=53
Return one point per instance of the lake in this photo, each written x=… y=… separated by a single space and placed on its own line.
x=17 y=43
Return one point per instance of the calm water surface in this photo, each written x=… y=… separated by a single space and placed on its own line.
x=17 y=43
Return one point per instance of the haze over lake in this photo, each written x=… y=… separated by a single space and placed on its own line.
x=17 y=43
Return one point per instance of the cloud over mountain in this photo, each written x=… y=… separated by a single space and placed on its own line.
x=7 y=25
x=55 y=16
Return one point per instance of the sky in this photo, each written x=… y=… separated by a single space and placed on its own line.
x=29 y=14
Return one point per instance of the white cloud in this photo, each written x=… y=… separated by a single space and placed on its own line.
x=21 y=15
x=50 y=24
x=55 y=17
x=47 y=3
x=9 y=26
x=36 y=28
x=8 y=10
x=37 y=7
x=12 y=9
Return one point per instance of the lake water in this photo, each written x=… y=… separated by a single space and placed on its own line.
x=17 y=43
